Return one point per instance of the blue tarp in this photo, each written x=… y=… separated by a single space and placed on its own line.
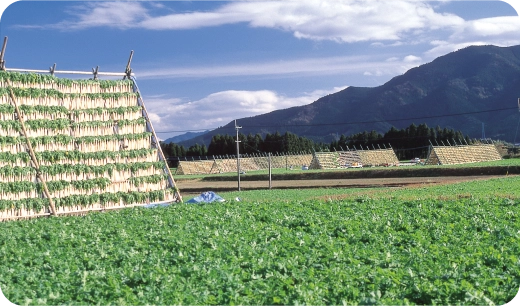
x=206 y=197
x=156 y=205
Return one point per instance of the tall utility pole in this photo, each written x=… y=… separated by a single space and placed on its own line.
x=238 y=154
x=516 y=134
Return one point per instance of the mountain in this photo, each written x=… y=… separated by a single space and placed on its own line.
x=184 y=137
x=471 y=81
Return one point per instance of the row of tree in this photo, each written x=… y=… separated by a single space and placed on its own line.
x=250 y=144
x=412 y=141
x=174 y=150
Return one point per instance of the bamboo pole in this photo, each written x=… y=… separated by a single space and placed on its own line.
x=31 y=152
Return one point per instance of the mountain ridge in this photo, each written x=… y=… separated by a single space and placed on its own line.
x=471 y=81
x=184 y=137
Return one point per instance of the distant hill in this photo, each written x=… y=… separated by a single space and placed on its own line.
x=184 y=137
x=472 y=80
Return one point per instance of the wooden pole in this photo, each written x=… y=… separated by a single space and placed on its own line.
x=95 y=72
x=128 y=70
x=156 y=142
x=2 y=62
x=270 y=181
x=238 y=154
x=52 y=69
x=31 y=151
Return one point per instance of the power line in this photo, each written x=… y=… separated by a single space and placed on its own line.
x=185 y=131
x=355 y=122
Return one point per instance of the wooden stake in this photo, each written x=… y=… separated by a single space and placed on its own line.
x=52 y=69
x=2 y=62
x=128 y=70
x=95 y=72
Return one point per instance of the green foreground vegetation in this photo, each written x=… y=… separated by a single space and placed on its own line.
x=451 y=244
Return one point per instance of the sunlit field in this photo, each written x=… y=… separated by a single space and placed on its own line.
x=448 y=244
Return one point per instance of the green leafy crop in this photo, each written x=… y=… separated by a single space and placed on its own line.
x=322 y=252
x=33 y=78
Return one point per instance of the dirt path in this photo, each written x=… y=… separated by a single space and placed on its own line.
x=194 y=187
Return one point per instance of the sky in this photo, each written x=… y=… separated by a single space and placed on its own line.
x=201 y=64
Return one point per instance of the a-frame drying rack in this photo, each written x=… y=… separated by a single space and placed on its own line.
x=135 y=186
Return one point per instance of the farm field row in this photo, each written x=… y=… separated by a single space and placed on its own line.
x=431 y=245
x=504 y=165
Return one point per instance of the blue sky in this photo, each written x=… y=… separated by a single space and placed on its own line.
x=201 y=64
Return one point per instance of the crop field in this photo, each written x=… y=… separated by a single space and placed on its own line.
x=504 y=187
x=445 y=244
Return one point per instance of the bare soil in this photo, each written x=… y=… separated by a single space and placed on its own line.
x=196 y=186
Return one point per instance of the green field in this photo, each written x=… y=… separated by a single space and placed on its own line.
x=507 y=187
x=451 y=244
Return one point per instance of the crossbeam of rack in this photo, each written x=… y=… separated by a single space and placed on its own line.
x=52 y=70
x=121 y=74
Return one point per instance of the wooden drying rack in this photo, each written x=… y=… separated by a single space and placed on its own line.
x=128 y=74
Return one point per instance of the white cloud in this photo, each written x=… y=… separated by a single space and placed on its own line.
x=376 y=72
x=499 y=31
x=392 y=59
x=445 y=47
x=121 y=15
x=338 y=65
x=411 y=59
x=154 y=118
x=383 y=23
x=220 y=108
x=506 y=26
x=342 y=21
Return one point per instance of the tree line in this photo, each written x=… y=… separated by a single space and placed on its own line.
x=250 y=144
x=412 y=141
